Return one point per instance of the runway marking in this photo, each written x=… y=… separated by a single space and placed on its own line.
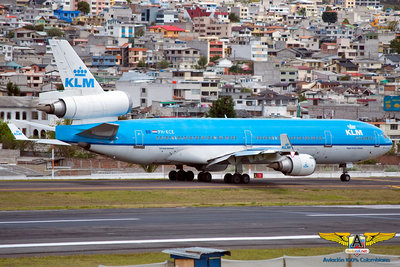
x=350 y=215
x=150 y=241
x=63 y=221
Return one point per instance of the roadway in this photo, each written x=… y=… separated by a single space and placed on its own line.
x=134 y=230
x=152 y=184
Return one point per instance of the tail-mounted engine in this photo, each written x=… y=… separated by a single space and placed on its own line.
x=298 y=165
x=107 y=104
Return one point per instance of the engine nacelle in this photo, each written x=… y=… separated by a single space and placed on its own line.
x=107 y=104
x=299 y=165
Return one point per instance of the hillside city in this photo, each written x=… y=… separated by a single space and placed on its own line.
x=276 y=59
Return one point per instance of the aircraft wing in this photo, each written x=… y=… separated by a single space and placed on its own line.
x=18 y=135
x=256 y=154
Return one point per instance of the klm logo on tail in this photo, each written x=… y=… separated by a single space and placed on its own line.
x=286 y=146
x=80 y=80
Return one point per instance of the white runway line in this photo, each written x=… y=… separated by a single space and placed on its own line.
x=63 y=221
x=155 y=241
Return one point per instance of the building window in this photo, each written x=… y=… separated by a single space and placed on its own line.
x=35 y=115
x=393 y=126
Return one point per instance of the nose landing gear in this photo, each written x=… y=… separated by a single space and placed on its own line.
x=345 y=177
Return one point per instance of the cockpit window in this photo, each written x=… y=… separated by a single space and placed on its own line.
x=385 y=136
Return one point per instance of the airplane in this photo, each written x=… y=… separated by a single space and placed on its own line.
x=291 y=146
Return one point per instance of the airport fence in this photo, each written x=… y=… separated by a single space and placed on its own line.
x=337 y=260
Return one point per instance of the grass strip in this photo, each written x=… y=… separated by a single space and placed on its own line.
x=194 y=198
x=146 y=258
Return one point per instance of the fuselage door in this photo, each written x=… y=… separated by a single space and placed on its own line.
x=139 y=139
x=328 y=139
x=248 y=138
x=376 y=138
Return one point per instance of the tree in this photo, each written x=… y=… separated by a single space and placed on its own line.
x=301 y=11
x=233 y=17
x=329 y=16
x=222 y=108
x=60 y=87
x=395 y=45
x=54 y=32
x=393 y=26
x=202 y=62
x=345 y=21
x=83 y=7
x=139 y=32
x=141 y=64
x=215 y=58
x=13 y=89
x=10 y=34
x=163 y=64
x=6 y=137
x=235 y=69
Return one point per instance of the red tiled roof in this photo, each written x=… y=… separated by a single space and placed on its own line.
x=168 y=28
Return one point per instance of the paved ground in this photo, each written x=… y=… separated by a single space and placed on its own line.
x=133 y=230
x=141 y=184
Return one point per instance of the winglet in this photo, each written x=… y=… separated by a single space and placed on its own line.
x=18 y=135
x=286 y=146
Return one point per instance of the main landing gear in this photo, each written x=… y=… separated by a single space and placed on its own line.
x=345 y=177
x=181 y=175
x=206 y=177
x=236 y=178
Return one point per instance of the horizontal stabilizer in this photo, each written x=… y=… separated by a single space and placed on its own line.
x=20 y=136
x=103 y=131
x=37 y=125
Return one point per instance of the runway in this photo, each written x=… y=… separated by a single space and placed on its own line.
x=134 y=230
x=151 y=184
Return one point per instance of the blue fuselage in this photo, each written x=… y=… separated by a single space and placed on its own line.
x=353 y=139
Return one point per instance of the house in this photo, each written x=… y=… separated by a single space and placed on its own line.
x=66 y=15
x=342 y=66
x=167 y=31
x=182 y=57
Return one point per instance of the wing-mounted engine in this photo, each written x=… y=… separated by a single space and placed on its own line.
x=298 y=165
x=107 y=104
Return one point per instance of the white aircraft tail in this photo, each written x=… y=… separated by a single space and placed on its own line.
x=74 y=73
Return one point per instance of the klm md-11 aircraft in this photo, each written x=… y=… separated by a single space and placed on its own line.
x=291 y=146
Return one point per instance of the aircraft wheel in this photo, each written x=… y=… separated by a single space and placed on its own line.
x=189 y=176
x=245 y=178
x=228 y=178
x=181 y=175
x=200 y=176
x=207 y=177
x=345 y=177
x=172 y=175
x=236 y=178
